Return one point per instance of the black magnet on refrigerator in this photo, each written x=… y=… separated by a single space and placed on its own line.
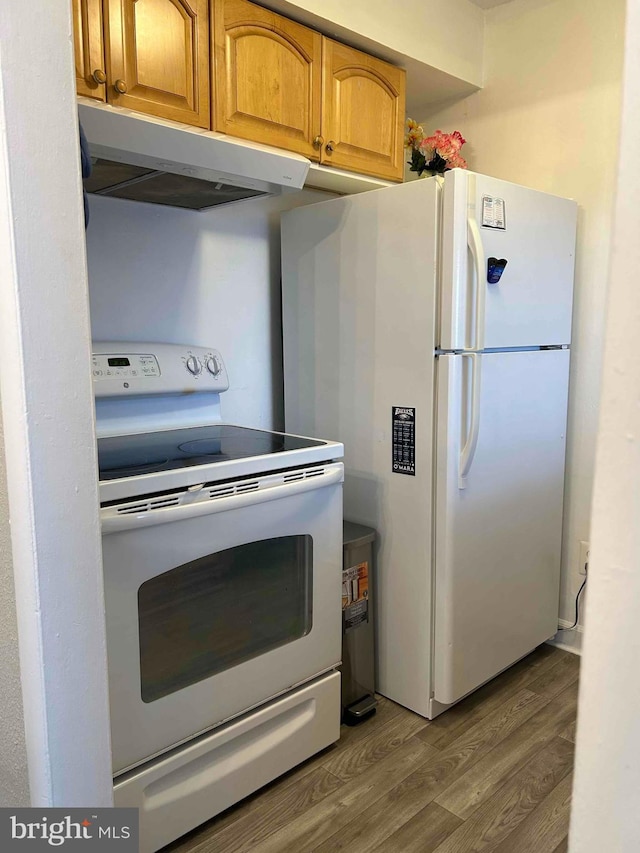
x=495 y=268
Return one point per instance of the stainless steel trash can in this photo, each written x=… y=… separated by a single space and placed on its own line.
x=358 y=673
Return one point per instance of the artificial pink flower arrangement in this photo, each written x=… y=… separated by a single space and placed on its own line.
x=435 y=154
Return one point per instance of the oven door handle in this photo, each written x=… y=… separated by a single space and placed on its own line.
x=114 y=520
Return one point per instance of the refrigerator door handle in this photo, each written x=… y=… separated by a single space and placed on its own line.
x=474 y=241
x=469 y=449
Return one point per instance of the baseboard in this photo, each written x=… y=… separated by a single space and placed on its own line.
x=570 y=641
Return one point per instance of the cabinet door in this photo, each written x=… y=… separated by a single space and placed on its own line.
x=362 y=112
x=158 y=57
x=267 y=77
x=89 y=48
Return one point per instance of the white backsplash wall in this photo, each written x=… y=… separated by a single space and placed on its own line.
x=208 y=278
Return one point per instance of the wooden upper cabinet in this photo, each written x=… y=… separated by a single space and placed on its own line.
x=157 y=54
x=267 y=77
x=89 y=48
x=274 y=81
x=362 y=112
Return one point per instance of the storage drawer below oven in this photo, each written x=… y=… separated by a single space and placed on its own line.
x=181 y=790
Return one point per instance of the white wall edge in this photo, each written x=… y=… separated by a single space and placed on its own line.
x=604 y=807
x=47 y=408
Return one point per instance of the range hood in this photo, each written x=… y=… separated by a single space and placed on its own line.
x=143 y=158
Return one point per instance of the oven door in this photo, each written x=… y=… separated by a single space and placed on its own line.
x=218 y=598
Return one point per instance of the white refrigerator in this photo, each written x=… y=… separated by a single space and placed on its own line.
x=428 y=327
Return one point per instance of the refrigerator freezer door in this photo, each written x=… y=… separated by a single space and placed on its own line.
x=525 y=302
x=498 y=529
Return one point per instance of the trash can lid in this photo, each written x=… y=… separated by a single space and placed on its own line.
x=357 y=534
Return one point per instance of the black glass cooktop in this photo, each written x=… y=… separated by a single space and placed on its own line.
x=149 y=452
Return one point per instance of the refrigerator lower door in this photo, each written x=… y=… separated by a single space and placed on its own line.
x=500 y=451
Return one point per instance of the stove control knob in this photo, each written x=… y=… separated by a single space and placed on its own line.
x=213 y=366
x=193 y=365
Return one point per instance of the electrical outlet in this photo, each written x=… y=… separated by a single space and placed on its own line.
x=584 y=558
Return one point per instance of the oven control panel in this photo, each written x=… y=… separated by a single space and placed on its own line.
x=124 y=368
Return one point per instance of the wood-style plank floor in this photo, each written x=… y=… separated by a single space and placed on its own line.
x=492 y=774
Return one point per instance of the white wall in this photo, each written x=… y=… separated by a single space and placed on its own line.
x=548 y=118
x=605 y=798
x=208 y=278
x=14 y=778
x=47 y=414
x=446 y=34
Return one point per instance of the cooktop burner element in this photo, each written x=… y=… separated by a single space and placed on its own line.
x=167 y=450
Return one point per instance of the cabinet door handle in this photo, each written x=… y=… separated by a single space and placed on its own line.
x=99 y=76
x=318 y=142
x=330 y=146
x=120 y=86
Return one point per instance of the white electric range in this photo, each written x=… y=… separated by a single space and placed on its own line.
x=222 y=550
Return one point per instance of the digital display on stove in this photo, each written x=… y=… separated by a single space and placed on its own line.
x=146 y=453
x=119 y=362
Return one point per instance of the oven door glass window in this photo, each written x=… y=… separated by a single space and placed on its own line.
x=223 y=609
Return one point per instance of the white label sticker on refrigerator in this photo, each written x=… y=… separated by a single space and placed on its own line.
x=403 y=457
x=493 y=213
